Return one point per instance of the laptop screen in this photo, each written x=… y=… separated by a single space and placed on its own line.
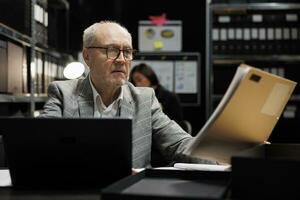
x=67 y=152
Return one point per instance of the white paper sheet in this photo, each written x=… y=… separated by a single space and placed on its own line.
x=5 y=180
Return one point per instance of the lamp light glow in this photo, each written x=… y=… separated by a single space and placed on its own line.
x=74 y=70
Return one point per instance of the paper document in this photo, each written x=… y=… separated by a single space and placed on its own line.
x=168 y=168
x=245 y=117
x=202 y=167
x=5 y=179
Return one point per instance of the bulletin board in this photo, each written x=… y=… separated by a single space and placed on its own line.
x=178 y=72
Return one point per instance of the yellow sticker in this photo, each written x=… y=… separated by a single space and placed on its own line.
x=158 y=44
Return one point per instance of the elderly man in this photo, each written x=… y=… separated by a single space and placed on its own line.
x=106 y=92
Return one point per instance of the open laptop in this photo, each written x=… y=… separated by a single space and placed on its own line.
x=245 y=117
x=67 y=152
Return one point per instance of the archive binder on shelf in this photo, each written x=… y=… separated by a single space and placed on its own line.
x=245 y=117
x=11 y=68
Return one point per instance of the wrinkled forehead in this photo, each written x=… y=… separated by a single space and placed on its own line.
x=113 y=34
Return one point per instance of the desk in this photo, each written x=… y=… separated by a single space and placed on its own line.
x=185 y=184
x=170 y=185
x=11 y=194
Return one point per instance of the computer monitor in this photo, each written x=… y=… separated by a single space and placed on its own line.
x=67 y=152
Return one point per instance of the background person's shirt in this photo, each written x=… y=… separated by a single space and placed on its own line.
x=170 y=105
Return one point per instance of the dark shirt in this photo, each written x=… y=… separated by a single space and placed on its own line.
x=170 y=105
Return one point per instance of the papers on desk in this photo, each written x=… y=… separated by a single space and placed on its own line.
x=245 y=117
x=202 y=167
x=5 y=180
x=196 y=167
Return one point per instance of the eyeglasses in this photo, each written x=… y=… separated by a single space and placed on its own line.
x=114 y=53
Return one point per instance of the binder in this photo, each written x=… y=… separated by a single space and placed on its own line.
x=11 y=67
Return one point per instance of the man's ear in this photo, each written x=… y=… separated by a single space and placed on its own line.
x=85 y=55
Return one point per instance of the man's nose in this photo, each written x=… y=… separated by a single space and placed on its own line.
x=121 y=56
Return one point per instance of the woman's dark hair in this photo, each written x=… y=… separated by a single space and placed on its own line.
x=147 y=71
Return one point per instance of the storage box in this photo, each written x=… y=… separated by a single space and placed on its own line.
x=267 y=171
x=169 y=184
x=167 y=37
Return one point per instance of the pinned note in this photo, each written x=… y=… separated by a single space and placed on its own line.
x=158 y=44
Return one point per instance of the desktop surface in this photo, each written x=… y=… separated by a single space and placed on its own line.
x=30 y=194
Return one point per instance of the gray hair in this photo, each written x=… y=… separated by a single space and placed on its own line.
x=89 y=33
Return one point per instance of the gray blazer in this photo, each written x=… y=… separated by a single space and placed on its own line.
x=74 y=98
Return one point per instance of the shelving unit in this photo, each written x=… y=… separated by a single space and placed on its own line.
x=26 y=98
x=28 y=72
x=264 y=35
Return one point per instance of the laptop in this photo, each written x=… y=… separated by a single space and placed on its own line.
x=245 y=117
x=67 y=152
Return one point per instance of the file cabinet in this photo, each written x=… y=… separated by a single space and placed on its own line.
x=264 y=35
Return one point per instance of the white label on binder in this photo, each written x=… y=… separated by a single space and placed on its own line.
x=46 y=19
x=246 y=34
x=281 y=72
x=257 y=18
x=223 y=34
x=294 y=33
x=262 y=34
x=215 y=35
x=270 y=32
x=274 y=71
x=254 y=33
x=36 y=12
x=231 y=34
x=286 y=33
x=278 y=33
x=291 y=17
x=238 y=33
x=224 y=19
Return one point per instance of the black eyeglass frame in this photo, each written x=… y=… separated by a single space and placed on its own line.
x=106 y=51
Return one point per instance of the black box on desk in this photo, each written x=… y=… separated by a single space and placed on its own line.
x=158 y=184
x=267 y=171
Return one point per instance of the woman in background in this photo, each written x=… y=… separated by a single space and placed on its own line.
x=143 y=75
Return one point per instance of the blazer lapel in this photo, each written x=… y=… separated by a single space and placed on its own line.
x=85 y=99
x=127 y=105
x=86 y=102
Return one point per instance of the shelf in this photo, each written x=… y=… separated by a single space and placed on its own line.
x=167 y=55
x=25 y=40
x=232 y=59
x=22 y=98
x=14 y=35
x=254 y=6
